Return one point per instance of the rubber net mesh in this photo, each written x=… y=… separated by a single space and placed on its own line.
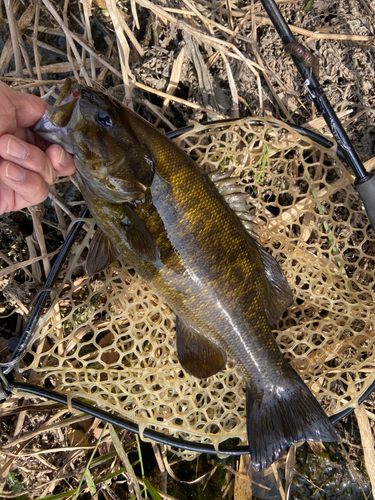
x=110 y=339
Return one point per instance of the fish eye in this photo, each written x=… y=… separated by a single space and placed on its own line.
x=104 y=118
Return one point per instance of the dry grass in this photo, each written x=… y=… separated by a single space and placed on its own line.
x=174 y=62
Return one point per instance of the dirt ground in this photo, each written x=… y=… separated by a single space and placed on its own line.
x=215 y=60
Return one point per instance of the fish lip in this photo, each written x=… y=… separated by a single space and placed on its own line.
x=55 y=125
x=68 y=103
x=70 y=90
x=69 y=97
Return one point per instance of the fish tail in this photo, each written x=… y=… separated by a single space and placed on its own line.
x=279 y=416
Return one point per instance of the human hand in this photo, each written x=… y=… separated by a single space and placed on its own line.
x=28 y=163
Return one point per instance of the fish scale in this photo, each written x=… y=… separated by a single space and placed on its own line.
x=155 y=206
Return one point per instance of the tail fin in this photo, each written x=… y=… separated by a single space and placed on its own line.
x=284 y=414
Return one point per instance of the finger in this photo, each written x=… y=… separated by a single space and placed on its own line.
x=62 y=162
x=20 y=188
x=29 y=109
x=19 y=109
x=28 y=156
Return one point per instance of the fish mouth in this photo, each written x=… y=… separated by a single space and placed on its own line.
x=59 y=121
x=71 y=90
x=62 y=112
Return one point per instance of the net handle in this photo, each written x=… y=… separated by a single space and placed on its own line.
x=324 y=108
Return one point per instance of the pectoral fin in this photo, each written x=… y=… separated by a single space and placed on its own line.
x=135 y=234
x=101 y=254
x=106 y=189
x=197 y=354
x=279 y=295
x=139 y=237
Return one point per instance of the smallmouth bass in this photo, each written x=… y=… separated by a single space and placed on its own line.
x=156 y=207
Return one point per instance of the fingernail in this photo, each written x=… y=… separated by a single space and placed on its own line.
x=16 y=149
x=15 y=173
x=63 y=158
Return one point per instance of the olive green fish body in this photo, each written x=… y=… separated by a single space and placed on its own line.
x=209 y=269
x=172 y=225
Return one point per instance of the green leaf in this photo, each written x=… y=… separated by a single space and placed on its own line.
x=59 y=496
x=151 y=489
x=14 y=481
x=309 y=5
x=125 y=460
x=90 y=482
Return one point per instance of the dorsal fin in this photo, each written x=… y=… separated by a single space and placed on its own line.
x=279 y=296
x=236 y=197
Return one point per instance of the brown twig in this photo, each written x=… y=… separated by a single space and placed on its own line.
x=173 y=81
x=123 y=48
x=69 y=39
x=232 y=86
x=86 y=13
x=156 y=112
x=319 y=36
x=35 y=268
x=35 y=48
x=14 y=35
x=58 y=210
x=39 y=234
x=12 y=267
x=367 y=440
x=177 y=99
x=70 y=45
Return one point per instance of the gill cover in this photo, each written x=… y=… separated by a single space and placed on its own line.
x=113 y=164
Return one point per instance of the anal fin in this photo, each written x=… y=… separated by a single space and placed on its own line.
x=198 y=355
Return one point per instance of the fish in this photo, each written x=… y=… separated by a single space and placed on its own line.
x=154 y=205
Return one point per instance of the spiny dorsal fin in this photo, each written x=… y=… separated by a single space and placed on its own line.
x=279 y=295
x=197 y=354
x=236 y=197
